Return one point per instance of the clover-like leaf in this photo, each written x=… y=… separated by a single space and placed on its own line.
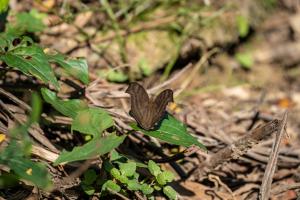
x=153 y=168
x=170 y=192
x=128 y=169
x=111 y=185
x=165 y=177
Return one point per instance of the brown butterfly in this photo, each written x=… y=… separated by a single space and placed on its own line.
x=147 y=112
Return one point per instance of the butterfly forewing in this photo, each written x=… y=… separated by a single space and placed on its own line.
x=139 y=98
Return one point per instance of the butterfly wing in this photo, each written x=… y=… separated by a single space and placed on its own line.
x=139 y=103
x=158 y=107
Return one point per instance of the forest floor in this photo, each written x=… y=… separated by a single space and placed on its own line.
x=233 y=67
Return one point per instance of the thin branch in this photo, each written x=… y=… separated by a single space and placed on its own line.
x=265 y=189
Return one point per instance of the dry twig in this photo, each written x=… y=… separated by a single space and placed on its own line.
x=265 y=189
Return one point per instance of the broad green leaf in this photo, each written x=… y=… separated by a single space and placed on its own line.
x=170 y=192
x=112 y=75
x=24 y=167
x=9 y=42
x=153 y=168
x=89 y=177
x=243 y=26
x=74 y=67
x=26 y=22
x=146 y=189
x=31 y=60
x=116 y=76
x=133 y=185
x=245 y=59
x=172 y=131
x=33 y=172
x=8 y=180
x=114 y=155
x=36 y=105
x=165 y=177
x=111 y=185
x=127 y=169
x=3 y=5
x=144 y=67
x=92 y=121
x=68 y=108
x=96 y=147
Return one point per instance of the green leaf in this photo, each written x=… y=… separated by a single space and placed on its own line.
x=116 y=76
x=111 y=185
x=128 y=169
x=115 y=173
x=243 y=26
x=107 y=166
x=133 y=185
x=89 y=177
x=23 y=167
x=8 y=180
x=88 y=189
x=3 y=5
x=74 y=67
x=146 y=189
x=68 y=108
x=96 y=147
x=165 y=177
x=123 y=179
x=36 y=105
x=136 y=175
x=153 y=168
x=172 y=131
x=92 y=121
x=31 y=60
x=34 y=172
x=144 y=67
x=114 y=155
x=157 y=187
x=245 y=60
x=170 y=192
x=26 y=22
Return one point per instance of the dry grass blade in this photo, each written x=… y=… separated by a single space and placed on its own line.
x=265 y=189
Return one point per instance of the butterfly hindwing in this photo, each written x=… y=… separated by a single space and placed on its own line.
x=160 y=103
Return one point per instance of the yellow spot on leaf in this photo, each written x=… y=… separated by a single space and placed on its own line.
x=29 y=171
x=2 y=137
x=84 y=118
x=174 y=137
x=46 y=50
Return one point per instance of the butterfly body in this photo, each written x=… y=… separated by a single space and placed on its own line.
x=147 y=112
